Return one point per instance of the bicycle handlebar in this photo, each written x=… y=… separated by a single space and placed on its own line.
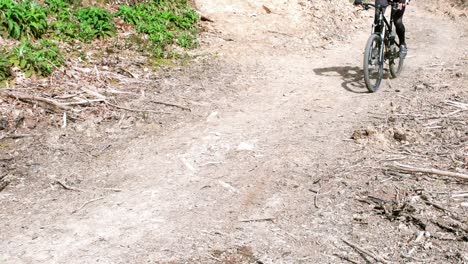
x=367 y=6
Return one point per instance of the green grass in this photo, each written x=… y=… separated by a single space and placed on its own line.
x=165 y=23
x=161 y=24
x=95 y=23
x=24 y=19
x=37 y=59
x=5 y=66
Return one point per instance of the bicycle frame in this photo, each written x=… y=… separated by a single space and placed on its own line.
x=381 y=47
x=384 y=25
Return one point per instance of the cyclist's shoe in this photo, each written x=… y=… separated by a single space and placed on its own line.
x=403 y=51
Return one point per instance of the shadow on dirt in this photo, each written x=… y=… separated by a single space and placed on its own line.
x=353 y=77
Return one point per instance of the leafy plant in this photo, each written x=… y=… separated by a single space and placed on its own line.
x=186 y=41
x=5 y=66
x=95 y=22
x=165 y=22
x=56 y=6
x=37 y=59
x=129 y=14
x=22 y=19
x=65 y=29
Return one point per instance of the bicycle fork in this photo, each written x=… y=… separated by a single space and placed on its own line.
x=382 y=49
x=381 y=25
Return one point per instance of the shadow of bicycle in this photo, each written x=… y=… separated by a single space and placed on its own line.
x=353 y=77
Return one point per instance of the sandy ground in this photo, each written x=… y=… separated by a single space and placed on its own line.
x=262 y=172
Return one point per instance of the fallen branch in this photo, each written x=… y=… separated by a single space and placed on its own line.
x=86 y=203
x=258 y=219
x=64 y=120
x=3 y=176
x=136 y=110
x=345 y=258
x=67 y=187
x=3 y=185
x=363 y=251
x=457 y=104
x=214 y=258
x=14 y=136
x=128 y=72
x=407 y=168
x=316 y=197
x=63 y=97
x=172 y=105
x=85 y=102
x=32 y=99
x=281 y=33
x=93 y=93
x=111 y=189
x=460 y=195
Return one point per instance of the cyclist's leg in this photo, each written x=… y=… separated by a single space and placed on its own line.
x=400 y=27
x=400 y=30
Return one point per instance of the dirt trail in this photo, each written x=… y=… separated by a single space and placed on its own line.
x=263 y=154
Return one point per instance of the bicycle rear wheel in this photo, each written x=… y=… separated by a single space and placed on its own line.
x=395 y=61
x=373 y=66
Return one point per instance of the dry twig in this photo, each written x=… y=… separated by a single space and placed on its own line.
x=14 y=136
x=346 y=258
x=86 y=203
x=407 y=168
x=85 y=102
x=32 y=99
x=93 y=93
x=136 y=110
x=3 y=185
x=172 y=105
x=67 y=187
x=258 y=219
x=361 y=250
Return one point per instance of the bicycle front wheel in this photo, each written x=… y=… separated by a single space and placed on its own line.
x=373 y=64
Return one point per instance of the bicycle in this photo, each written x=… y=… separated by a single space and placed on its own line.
x=382 y=46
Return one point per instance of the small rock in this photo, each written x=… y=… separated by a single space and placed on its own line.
x=30 y=124
x=359 y=134
x=3 y=123
x=363 y=133
x=228 y=186
x=245 y=146
x=213 y=116
x=19 y=121
x=400 y=135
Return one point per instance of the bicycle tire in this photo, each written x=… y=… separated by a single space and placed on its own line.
x=395 y=61
x=372 y=57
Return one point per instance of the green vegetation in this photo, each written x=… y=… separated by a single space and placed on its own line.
x=22 y=19
x=56 y=6
x=95 y=22
x=161 y=24
x=5 y=66
x=165 y=22
x=37 y=59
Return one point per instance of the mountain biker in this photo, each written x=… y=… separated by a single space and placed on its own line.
x=398 y=20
